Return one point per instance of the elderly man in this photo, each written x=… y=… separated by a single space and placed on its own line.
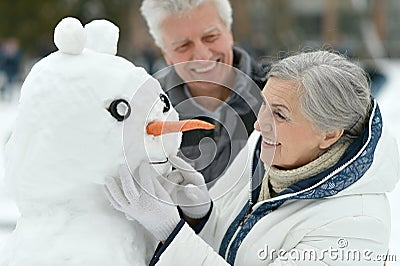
x=209 y=78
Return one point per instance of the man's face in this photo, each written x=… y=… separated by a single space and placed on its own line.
x=199 y=34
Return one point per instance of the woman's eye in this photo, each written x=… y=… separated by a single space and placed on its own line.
x=120 y=109
x=167 y=104
x=280 y=116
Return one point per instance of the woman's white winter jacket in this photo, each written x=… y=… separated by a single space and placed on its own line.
x=339 y=217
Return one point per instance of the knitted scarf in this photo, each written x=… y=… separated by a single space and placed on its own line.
x=276 y=180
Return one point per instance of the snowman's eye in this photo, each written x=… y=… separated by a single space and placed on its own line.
x=120 y=109
x=167 y=104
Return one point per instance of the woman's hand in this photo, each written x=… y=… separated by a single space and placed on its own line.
x=189 y=191
x=143 y=199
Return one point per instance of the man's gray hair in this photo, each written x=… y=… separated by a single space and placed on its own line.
x=155 y=11
x=335 y=92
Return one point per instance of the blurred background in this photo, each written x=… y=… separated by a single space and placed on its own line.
x=367 y=31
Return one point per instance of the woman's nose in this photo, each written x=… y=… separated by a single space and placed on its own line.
x=264 y=126
x=265 y=120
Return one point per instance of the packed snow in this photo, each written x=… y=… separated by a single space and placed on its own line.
x=390 y=108
x=68 y=137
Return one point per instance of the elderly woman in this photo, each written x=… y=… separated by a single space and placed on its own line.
x=320 y=197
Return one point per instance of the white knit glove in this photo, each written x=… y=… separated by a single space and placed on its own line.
x=144 y=200
x=190 y=191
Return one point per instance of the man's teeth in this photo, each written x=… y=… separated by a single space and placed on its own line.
x=270 y=142
x=205 y=69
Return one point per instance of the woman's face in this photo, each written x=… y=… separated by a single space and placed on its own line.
x=289 y=138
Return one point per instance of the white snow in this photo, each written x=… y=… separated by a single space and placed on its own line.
x=66 y=140
x=69 y=36
x=390 y=108
x=389 y=105
x=100 y=42
x=8 y=208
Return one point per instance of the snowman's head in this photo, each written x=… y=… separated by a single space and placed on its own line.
x=84 y=111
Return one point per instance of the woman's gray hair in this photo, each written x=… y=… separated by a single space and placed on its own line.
x=155 y=11
x=335 y=92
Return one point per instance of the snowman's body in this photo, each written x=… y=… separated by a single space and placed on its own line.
x=66 y=142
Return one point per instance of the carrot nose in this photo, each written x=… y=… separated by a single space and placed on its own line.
x=157 y=128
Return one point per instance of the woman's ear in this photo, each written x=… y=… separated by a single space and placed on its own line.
x=330 y=138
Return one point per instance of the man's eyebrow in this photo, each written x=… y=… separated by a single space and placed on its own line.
x=209 y=29
x=179 y=41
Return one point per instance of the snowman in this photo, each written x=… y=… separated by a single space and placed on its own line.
x=83 y=113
